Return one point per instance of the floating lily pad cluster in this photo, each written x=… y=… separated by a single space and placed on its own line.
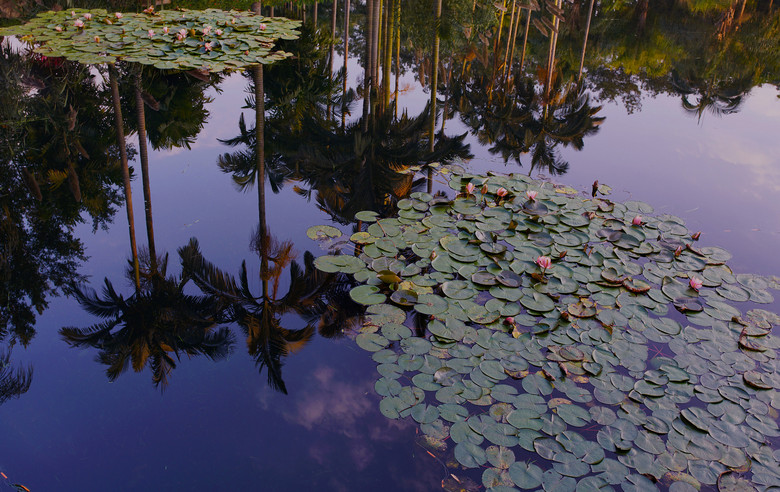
x=212 y=40
x=569 y=343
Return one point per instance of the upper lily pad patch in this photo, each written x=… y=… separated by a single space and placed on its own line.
x=212 y=40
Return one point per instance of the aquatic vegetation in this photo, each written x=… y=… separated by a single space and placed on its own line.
x=546 y=338
x=172 y=39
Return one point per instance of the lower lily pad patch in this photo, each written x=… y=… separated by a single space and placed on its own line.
x=563 y=345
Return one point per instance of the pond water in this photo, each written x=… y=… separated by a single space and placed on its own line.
x=677 y=108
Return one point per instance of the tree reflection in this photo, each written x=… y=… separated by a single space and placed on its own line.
x=58 y=159
x=154 y=326
x=532 y=121
x=261 y=316
x=13 y=382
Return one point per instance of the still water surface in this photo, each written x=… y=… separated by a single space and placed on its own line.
x=218 y=424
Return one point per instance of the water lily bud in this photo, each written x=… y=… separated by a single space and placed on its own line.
x=118 y=15
x=58 y=28
x=696 y=236
x=678 y=251
x=88 y=16
x=695 y=283
x=544 y=262
x=484 y=189
x=501 y=192
x=509 y=320
x=637 y=220
x=72 y=13
x=470 y=188
x=165 y=29
x=97 y=39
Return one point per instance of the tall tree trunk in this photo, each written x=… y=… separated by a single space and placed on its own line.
x=346 y=58
x=388 y=53
x=368 y=71
x=496 y=47
x=315 y=14
x=525 y=38
x=434 y=77
x=332 y=52
x=375 y=42
x=553 y=46
x=260 y=138
x=512 y=52
x=434 y=87
x=397 y=23
x=509 y=37
x=585 y=41
x=143 y=152
x=120 y=135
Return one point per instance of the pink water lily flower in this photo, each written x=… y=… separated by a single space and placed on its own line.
x=218 y=32
x=149 y=10
x=88 y=16
x=181 y=34
x=544 y=262
x=207 y=46
x=58 y=28
x=637 y=220
x=118 y=15
x=72 y=13
x=261 y=27
x=696 y=283
x=501 y=192
x=165 y=29
x=151 y=33
x=78 y=23
x=531 y=194
x=206 y=30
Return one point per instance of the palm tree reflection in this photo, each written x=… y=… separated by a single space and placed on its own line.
x=13 y=382
x=261 y=316
x=155 y=326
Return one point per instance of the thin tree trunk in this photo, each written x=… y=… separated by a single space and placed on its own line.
x=434 y=79
x=260 y=140
x=120 y=135
x=514 y=41
x=346 y=58
x=332 y=53
x=585 y=42
x=315 y=14
x=496 y=46
x=142 y=150
x=368 y=71
x=375 y=42
x=509 y=38
x=434 y=86
x=388 y=52
x=397 y=50
x=553 y=46
x=525 y=38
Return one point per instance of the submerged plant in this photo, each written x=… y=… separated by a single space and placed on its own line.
x=625 y=365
